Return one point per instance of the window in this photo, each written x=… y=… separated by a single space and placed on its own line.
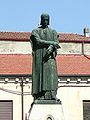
x=6 y=110
x=86 y=110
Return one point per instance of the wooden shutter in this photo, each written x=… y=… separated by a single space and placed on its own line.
x=86 y=110
x=6 y=110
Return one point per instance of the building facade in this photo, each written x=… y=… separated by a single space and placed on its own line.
x=73 y=61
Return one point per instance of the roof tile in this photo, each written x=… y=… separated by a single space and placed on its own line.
x=73 y=65
x=25 y=36
x=73 y=37
x=66 y=64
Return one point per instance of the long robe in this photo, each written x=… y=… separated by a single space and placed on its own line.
x=44 y=70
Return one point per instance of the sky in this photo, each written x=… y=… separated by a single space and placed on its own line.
x=66 y=16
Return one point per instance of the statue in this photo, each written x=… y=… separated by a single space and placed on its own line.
x=45 y=43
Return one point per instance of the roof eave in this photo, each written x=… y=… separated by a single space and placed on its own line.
x=15 y=75
x=74 y=75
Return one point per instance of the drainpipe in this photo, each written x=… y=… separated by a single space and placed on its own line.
x=22 y=99
x=83 y=51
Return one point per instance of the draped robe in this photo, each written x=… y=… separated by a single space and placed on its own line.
x=44 y=69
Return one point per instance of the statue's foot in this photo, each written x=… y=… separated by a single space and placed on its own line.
x=40 y=98
x=48 y=95
x=58 y=100
x=55 y=98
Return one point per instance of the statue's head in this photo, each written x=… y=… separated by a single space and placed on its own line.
x=44 y=19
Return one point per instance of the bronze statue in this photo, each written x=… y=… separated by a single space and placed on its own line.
x=44 y=50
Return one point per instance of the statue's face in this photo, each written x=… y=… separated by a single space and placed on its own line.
x=45 y=22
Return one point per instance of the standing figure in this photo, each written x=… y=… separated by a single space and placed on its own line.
x=45 y=43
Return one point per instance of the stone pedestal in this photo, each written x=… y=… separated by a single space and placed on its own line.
x=46 y=112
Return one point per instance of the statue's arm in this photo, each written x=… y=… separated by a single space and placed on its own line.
x=56 y=38
x=36 y=38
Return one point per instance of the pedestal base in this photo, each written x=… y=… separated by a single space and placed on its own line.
x=46 y=112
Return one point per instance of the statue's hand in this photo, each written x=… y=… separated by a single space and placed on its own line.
x=50 y=49
x=56 y=45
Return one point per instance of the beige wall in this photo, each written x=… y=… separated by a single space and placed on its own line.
x=13 y=47
x=71 y=103
x=9 y=96
x=70 y=48
x=16 y=98
x=87 y=48
x=71 y=97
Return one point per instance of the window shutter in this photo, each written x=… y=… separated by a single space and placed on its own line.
x=6 y=110
x=86 y=110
